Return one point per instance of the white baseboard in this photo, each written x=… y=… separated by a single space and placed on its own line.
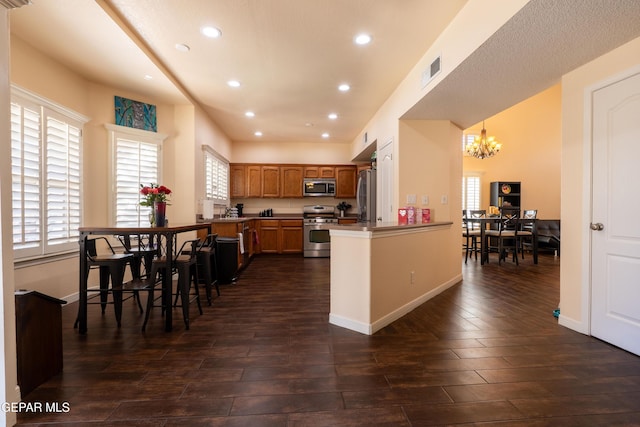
x=353 y=325
x=372 y=328
x=573 y=324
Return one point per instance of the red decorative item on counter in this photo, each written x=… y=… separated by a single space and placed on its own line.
x=402 y=216
x=426 y=216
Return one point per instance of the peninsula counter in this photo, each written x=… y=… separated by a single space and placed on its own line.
x=380 y=272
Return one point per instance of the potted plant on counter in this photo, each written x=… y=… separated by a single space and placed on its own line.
x=342 y=207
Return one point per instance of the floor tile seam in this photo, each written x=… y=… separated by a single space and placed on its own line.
x=472 y=404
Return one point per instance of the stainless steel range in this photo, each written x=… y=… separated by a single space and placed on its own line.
x=316 y=223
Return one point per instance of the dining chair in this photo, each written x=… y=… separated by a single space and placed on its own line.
x=527 y=228
x=207 y=266
x=471 y=232
x=111 y=266
x=143 y=250
x=507 y=233
x=185 y=265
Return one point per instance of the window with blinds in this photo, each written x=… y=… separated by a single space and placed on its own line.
x=470 y=192
x=136 y=162
x=216 y=177
x=46 y=141
x=468 y=138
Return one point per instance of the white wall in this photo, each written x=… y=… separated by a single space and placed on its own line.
x=8 y=367
x=575 y=193
x=531 y=137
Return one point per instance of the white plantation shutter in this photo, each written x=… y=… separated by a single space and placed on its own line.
x=471 y=192
x=46 y=142
x=25 y=173
x=136 y=162
x=63 y=182
x=216 y=177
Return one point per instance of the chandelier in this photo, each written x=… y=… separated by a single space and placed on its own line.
x=483 y=147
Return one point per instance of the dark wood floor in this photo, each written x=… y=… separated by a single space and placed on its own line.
x=487 y=351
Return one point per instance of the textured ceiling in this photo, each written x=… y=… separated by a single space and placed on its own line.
x=530 y=53
x=290 y=55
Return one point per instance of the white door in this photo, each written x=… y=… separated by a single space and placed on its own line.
x=385 y=182
x=615 y=239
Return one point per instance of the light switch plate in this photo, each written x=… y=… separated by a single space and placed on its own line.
x=411 y=199
x=425 y=200
x=444 y=199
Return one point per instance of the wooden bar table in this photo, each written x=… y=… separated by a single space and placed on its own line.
x=165 y=233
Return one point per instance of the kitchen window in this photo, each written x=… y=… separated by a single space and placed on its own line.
x=46 y=141
x=216 y=176
x=135 y=161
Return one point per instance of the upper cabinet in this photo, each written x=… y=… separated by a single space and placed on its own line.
x=291 y=181
x=319 y=171
x=254 y=181
x=346 y=182
x=285 y=181
x=270 y=181
x=238 y=181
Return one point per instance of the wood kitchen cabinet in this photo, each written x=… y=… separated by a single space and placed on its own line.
x=269 y=229
x=347 y=220
x=238 y=176
x=254 y=180
x=280 y=236
x=291 y=236
x=291 y=181
x=270 y=181
x=319 y=172
x=346 y=182
x=285 y=181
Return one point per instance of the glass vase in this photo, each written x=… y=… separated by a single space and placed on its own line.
x=159 y=213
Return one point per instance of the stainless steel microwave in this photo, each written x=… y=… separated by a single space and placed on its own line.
x=319 y=187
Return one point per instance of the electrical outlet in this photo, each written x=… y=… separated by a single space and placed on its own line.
x=425 y=200
x=413 y=273
x=444 y=199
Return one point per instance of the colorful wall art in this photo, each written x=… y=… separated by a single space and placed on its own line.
x=135 y=114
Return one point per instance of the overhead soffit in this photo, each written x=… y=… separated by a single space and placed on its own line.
x=531 y=52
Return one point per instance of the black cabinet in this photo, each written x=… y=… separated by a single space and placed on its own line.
x=38 y=338
x=504 y=193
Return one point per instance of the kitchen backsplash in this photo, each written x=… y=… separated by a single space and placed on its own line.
x=288 y=206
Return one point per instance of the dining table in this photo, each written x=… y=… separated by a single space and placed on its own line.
x=165 y=238
x=485 y=222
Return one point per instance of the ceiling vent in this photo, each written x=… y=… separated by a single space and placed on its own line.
x=431 y=72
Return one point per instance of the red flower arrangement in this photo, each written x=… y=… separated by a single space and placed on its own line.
x=153 y=193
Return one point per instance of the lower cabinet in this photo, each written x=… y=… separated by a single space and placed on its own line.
x=268 y=232
x=232 y=229
x=291 y=236
x=280 y=236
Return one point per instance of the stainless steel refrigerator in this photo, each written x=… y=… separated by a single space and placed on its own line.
x=366 y=195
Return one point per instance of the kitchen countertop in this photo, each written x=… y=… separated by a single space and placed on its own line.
x=385 y=226
x=249 y=218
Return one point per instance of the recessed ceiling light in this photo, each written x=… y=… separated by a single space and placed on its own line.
x=332 y=116
x=250 y=114
x=182 y=47
x=233 y=83
x=258 y=133
x=148 y=77
x=344 y=87
x=325 y=135
x=362 y=39
x=308 y=124
x=211 y=32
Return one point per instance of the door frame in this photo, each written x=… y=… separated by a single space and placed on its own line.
x=584 y=326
